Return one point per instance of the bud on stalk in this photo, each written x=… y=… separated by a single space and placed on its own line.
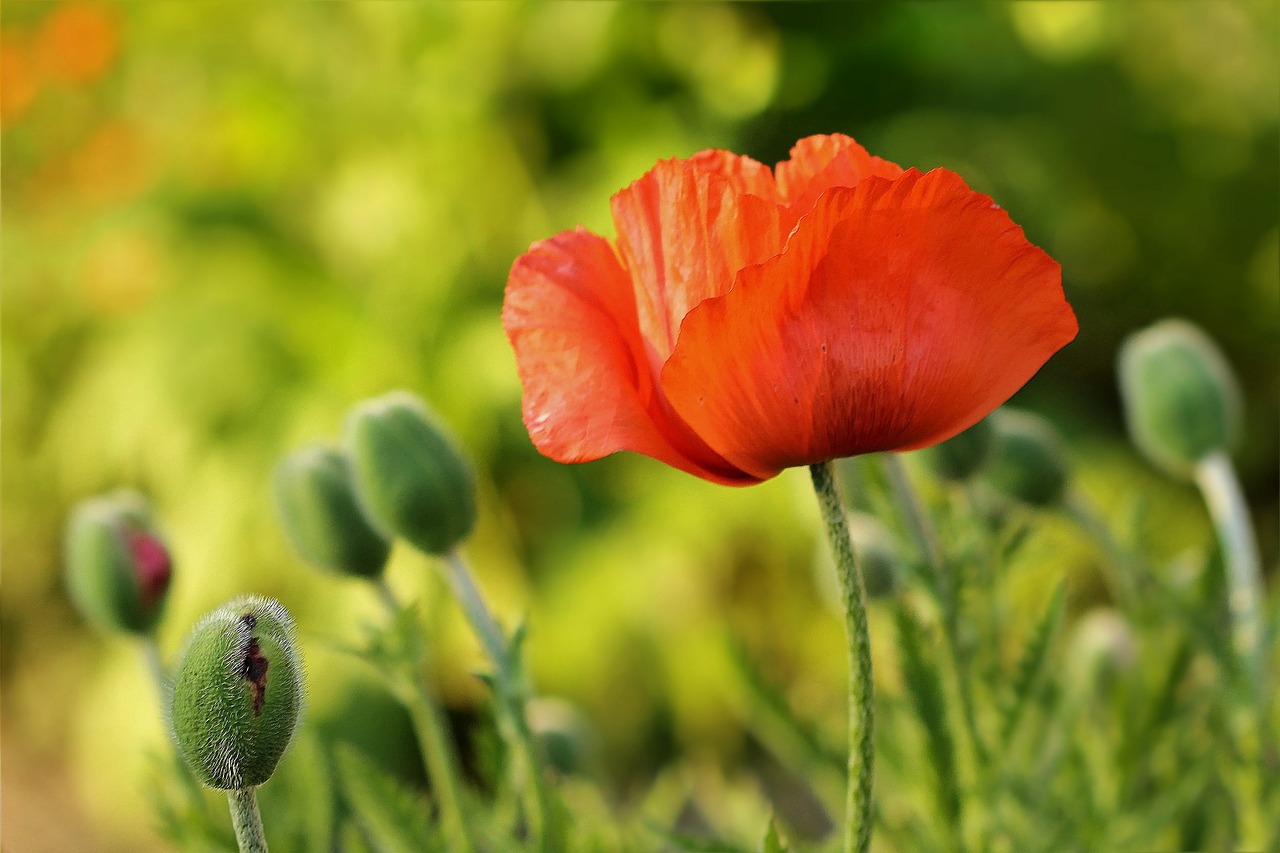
x=323 y=520
x=959 y=458
x=118 y=566
x=1181 y=400
x=237 y=693
x=410 y=478
x=1029 y=464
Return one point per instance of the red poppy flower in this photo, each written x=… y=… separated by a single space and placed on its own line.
x=746 y=321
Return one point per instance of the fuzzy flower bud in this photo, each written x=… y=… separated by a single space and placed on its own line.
x=1030 y=464
x=237 y=693
x=959 y=458
x=321 y=516
x=1181 y=400
x=410 y=478
x=118 y=567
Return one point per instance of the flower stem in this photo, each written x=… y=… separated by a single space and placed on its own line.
x=151 y=655
x=861 y=742
x=509 y=681
x=1230 y=514
x=247 y=821
x=431 y=728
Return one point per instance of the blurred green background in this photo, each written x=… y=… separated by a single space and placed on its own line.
x=224 y=223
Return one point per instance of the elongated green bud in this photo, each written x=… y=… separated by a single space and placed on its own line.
x=118 y=566
x=323 y=520
x=1030 y=464
x=237 y=693
x=411 y=480
x=959 y=458
x=1181 y=400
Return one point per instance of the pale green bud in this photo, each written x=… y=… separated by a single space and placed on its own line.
x=877 y=555
x=1030 y=463
x=411 y=479
x=323 y=520
x=1181 y=400
x=118 y=566
x=959 y=458
x=237 y=693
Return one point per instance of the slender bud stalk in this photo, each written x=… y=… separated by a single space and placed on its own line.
x=511 y=695
x=1222 y=494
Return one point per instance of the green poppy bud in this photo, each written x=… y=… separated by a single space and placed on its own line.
x=1181 y=400
x=411 y=480
x=118 y=567
x=237 y=693
x=1029 y=464
x=959 y=458
x=322 y=519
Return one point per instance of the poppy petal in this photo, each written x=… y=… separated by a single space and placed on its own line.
x=819 y=163
x=683 y=232
x=901 y=313
x=744 y=174
x=569 y=313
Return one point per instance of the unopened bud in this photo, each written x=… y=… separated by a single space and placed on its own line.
x=411 y=479
x=323 y=520
x=959 y=458
x=118 y=567
x=1181 y=400
x=237 y=693
x=1029 y=463
x=876 y=553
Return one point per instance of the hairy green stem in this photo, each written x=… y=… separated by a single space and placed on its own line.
x=861 y=740
x=247 y=821
x=511 y=698
x=432 y=730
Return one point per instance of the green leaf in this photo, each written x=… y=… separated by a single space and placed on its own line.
x=772 y=843
x=924 y=685
x=1033 y=664
x=686 y=843
x=392 y=818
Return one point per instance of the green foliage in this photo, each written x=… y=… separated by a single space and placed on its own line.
x=1033 y=663
x=924 y=686
x=392 y=818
